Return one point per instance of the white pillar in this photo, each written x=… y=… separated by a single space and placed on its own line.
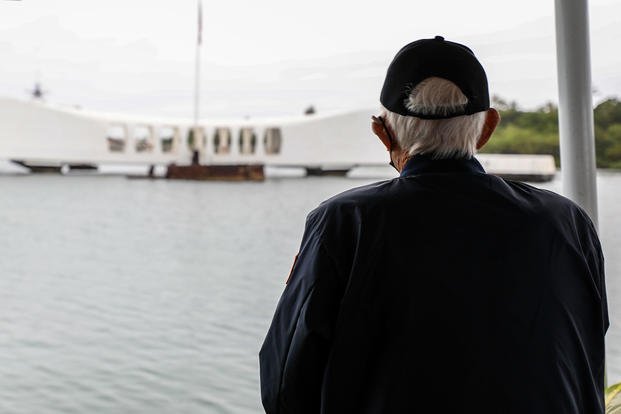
x=575 y=104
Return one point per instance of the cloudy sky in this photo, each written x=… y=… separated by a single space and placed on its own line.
x=274 y=57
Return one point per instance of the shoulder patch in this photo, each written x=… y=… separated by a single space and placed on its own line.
x=295 y=259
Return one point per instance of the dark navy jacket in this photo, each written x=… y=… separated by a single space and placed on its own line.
x=444 y=290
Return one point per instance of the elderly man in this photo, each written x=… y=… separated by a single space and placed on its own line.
x=445 y=290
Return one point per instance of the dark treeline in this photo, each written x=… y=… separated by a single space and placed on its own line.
x=536 y=132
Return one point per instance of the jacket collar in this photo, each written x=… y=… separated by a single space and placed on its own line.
x=424 y=164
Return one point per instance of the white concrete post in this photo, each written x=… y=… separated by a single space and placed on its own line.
x=578 y=169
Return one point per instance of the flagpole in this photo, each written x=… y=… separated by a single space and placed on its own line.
x=197 y=78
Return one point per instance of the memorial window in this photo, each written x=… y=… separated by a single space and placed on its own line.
x=117 y=138
x=167 y=138
x=272 y=141
x=247 y=141
x=222 y=141
x=143 y=136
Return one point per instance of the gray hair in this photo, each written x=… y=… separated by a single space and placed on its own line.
x=441 y=138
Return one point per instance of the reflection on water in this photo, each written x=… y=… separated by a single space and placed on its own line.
x=139 y=296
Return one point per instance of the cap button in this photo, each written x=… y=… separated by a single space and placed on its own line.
x=439 y=38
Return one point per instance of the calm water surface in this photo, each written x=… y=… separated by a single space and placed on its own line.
x=136 y=296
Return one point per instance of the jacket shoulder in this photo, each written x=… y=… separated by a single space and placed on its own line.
x=551 y=201
x=344 y=208
x=563 y=213
x=356 y=197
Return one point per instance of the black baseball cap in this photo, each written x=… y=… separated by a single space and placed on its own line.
x=440 y=58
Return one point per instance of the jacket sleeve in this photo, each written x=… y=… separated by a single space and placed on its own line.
x=295 y=351
x=595 y=257
x=590 y=246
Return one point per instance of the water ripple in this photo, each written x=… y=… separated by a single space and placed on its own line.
x=131 y=296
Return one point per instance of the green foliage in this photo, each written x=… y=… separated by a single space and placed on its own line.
x=536 y=132
x=608 y=112
x=610 y=146
x=522 y=132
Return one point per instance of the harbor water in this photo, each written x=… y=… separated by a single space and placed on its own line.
x=153 y=296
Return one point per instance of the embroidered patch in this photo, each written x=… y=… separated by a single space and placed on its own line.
x=295 y=259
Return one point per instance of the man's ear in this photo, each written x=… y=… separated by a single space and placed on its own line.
x=379 y=130
x=492 y=119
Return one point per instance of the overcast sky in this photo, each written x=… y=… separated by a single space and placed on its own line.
x=273 y=57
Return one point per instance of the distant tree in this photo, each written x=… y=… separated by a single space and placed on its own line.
x=607 y=119
x=536 y=132
x=612 y=153
x=513 y=139
x=608 y=113
x=548 y=108
x=503 y=105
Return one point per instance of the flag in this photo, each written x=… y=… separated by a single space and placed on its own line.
x=200 y=22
